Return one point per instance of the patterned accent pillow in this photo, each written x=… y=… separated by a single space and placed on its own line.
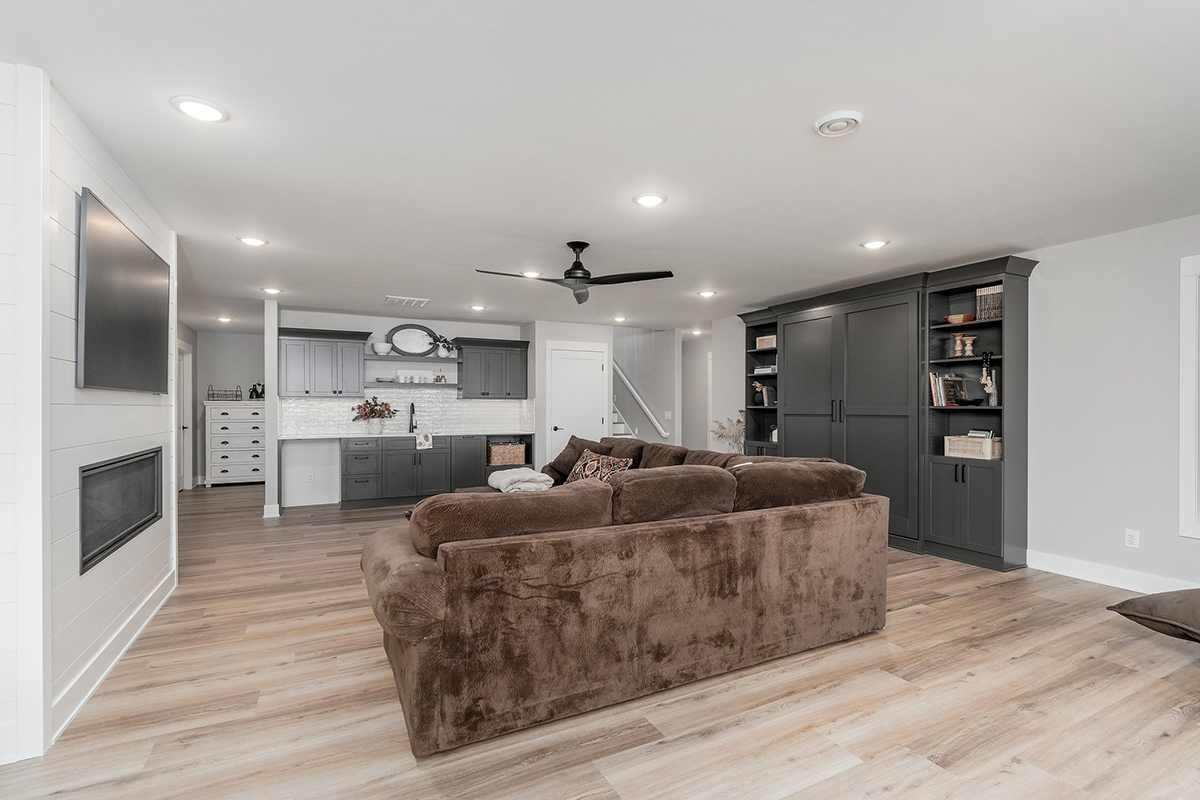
x=595 y=465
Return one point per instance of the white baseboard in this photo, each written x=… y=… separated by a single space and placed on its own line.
x=270 y=511
x=70 y=700
x=1134 y=581
x=197 y=481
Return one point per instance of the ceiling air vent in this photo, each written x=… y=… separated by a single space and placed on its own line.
x=407 y=302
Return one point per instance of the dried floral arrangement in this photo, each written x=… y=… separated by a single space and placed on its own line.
x=732 y=432
x=373 y=409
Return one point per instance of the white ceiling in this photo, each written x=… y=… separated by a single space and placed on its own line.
x=392 y=148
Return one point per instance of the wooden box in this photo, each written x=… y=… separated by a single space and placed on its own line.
x=968 y=447
x=503 y=455
x=763 y=342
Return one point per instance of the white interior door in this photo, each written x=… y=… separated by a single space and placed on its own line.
x=577 y=389
x=183 y=424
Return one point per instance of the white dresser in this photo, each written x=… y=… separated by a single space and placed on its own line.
x=237 y=439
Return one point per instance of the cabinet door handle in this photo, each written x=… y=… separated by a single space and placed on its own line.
x=833 y=410
x=841 y=410
x=364 y=480
x=360 y=458
x=956 y=473
x=964 y=473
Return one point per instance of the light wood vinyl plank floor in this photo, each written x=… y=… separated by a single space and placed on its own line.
x=263 y=677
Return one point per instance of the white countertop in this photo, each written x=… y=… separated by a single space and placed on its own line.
x=364 y=435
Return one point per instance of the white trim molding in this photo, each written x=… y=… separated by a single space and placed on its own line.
x=1120 y=577
x=1189 y=397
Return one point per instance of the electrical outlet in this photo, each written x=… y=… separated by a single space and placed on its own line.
x=310 y=477
x=1133 y=538
x=667 y=414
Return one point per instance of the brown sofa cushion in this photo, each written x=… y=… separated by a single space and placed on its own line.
x=710 y=458
x=657 y=454
x=559 y=478
x=595 y=465
x=1176 y=614
x=794 y=483
x=646 y=495
x=458 y=517
x=407 y=590
x=624 y=447
x=565 y=460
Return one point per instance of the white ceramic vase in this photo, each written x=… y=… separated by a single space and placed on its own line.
x=375 y=427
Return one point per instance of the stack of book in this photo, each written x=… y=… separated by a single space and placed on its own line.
x=767 y=370
x=989 y=302
x=946 y=390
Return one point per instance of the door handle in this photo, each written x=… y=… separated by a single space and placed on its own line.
x=833 y=410
x=964 y=473
x=185 y=427
x=841 y=410
x=956 y=473
x=556 y=428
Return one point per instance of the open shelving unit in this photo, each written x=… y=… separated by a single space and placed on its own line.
x=761 y=419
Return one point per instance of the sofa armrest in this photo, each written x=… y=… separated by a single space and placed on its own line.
x=407 y=590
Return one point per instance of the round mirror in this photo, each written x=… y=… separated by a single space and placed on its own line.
x=412 y=340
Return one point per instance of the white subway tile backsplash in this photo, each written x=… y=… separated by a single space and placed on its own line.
x=438 y=411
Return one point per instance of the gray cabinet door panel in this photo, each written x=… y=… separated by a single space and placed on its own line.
x=399 y=473
x=879 y=445
x=468 y=456
x=433 y=471
x=360 y=463
x=942 y=505
x=293 y=368
x=494 y=364
x=350 y=369
x=360 y=487
x=981 y=488
x=471 y=377
x=806 y=399
x=323 y=369
x=516 y=378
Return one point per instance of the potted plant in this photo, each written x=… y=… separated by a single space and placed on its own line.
x=444 y=346
x=374 y=413
x=732 y=431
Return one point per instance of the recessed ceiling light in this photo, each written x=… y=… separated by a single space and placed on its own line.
x=838 y=123
x=224 y=319
x=650 y=199
x=253 y=241
x=196 y=108
x=272 y=291
x=706 y=294
x=875 y=245
x=618 y=319
x=531 y=274
x=478 y=308
x=697 y=333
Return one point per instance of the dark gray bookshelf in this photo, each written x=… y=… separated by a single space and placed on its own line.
x=761 y=419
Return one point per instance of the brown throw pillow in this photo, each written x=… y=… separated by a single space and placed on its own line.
x=1176 y=614
x=646 y=495
x=625 y=447
x=574 y=449
x=597 y=465
x=711 y=458
x=775 y=484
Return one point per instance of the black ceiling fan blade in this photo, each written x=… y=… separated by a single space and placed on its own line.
x=629 y=277
x=524 y=277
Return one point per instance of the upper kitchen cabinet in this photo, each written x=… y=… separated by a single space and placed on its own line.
x=493 y=369
x=316 y=363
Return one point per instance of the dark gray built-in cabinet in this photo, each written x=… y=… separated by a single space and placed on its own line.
x=853 y=385
x=493 y=369
x=314 y=363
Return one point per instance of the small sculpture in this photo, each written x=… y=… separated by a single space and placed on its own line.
x=258 y=391
x=988 y=379
x=969 y=342
x=958 y=344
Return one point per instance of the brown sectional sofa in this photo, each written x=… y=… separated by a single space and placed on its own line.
x=502 y=611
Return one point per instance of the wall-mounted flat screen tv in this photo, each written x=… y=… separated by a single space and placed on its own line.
x=123 y=308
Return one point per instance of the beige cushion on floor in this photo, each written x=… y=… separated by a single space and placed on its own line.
x=1175 y=614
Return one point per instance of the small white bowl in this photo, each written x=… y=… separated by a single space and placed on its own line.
x=381 y=348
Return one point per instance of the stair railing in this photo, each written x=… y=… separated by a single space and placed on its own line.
x=638 y=399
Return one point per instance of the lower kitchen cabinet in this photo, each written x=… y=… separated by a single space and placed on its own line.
x=468 y=457
x=433 y=471
x=399 y=474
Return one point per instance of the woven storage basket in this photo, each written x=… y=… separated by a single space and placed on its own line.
x=970 y=447
x=503 y=455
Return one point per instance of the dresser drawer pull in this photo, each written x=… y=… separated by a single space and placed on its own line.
x=256 y=455
x=252 y=441
x=254 y=414
x=224 y=413
x=254 y=470
x=226 y=457
x=361 y=458
x=364 y=480
x=228 y=442
x=255 y=428
x=224 y=427
x=224 y=472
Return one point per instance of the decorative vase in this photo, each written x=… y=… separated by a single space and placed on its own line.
x=443 y=351
x=958 y=344
x=375 y=427
x=969 y=342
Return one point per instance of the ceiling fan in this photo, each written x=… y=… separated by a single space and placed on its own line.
x=578 y=279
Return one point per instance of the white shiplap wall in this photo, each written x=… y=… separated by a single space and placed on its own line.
x=95 y=617
x=8 y=410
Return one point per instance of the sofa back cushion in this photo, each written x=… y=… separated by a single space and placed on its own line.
x=565 y=461
x=594 y=465
x=794 y=483
x=646 y=495
x=458 y=517
x=656 y=454
x=625 y=447
x=710 y=458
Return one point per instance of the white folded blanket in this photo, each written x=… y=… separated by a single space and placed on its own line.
x=522 y=479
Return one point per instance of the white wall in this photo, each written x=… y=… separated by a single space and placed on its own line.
x=729 y=370
x=651 y=359
x=226 y=361
x=1104 y=407
x=71 y=628
x=694 y=421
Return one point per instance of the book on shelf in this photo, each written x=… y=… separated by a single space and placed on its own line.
x=767 y=370
x=989 y=302
x=979 y=433
x=946 y=390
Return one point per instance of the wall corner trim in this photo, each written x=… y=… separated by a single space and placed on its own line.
x=270 y=511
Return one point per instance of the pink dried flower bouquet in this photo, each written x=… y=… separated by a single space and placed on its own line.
x=373 y=409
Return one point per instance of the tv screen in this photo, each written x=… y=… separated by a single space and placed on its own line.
x=123 y=308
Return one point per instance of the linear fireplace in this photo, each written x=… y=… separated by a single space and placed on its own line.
x=118 y=499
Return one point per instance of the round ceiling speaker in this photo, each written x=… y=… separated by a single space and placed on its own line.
x=838 y=123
